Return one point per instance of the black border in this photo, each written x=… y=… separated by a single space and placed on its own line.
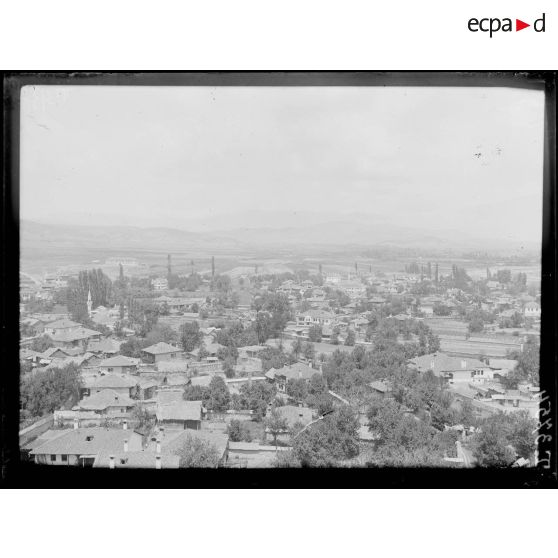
x=20 y=474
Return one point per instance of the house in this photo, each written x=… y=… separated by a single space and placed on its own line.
x=107 y=403
x=250 y=351
x=253 y=455
x=502 y=366
x=53 y=352
x=104 y=347
x=160 y=351
x=119 y=364
x=78 y=360
x=82 y=446
x=380 y=387
x=315 y=317
x=294 y=415
x=352 y=288
x=181 y=414
x=453 y=369
x=74 y=338
x=61 y=326
x=160 y=284
x=426 y=309
x=333 y=278
x=147 y=389
x=294 y=371
x=122 y=385
x=532 y=310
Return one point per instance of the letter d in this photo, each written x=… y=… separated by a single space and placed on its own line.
x=535 y=25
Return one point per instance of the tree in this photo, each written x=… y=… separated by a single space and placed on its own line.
x=161 y=332
x=503 y=276
x=527 y=369
x=297 y=347
x=491 y=448
x=315 y=333
x=196 y=452
x=257 y=396
x=41 y=344
x=276 y=424
x=190 y=336
x=350 y=339
x=476 y=324
x=50 y=390
x=142 y=416
x=328 y=442
x=132 y=347
x=234 y=429
x=297 y=389
x=308 y=351
x=195 y=393
x=228 y=367
x=218 y=395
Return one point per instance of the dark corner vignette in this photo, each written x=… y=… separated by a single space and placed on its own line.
x=17 y=472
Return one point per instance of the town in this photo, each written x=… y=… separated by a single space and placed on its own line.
x=317 y=365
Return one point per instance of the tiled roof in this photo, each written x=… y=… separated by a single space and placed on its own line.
x=380 y=386
x=294 y=371
x=295 y=414
x=104 y=399
x=440 y=362
x=50 y=351
x=109 y=381
x=137 y=460
x=89 y=441
x=104 y=345
x=180 y=410
x=161 y=348
x=68 y=336
x=166 y=396
x=120 y=360
x=63 y=324
x=173 y=442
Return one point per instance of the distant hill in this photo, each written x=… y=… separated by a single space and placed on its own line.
x=40 y=241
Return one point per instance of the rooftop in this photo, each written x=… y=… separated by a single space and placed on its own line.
x=119 y=360
x=104 y=399
x=180 y=411
x=161 y=348
x=85 y=441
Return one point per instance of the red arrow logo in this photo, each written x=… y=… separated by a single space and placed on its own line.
x=519 y=25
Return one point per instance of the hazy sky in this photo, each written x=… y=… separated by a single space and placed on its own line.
x=200 y=157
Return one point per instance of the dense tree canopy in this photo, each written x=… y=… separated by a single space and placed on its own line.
x=45 y=391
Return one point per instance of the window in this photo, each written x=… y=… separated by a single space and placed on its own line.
x=65 y=458
x=110 y=369
x=53 y=457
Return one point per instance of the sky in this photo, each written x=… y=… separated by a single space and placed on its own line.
x=211 y=158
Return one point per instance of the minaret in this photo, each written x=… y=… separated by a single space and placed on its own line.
x=89 y=303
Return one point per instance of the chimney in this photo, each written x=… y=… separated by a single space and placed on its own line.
x=158 y=462
x=125 y=425
x=158 y=446
x=76 y=424
x=125 y=446
x=111 y=462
